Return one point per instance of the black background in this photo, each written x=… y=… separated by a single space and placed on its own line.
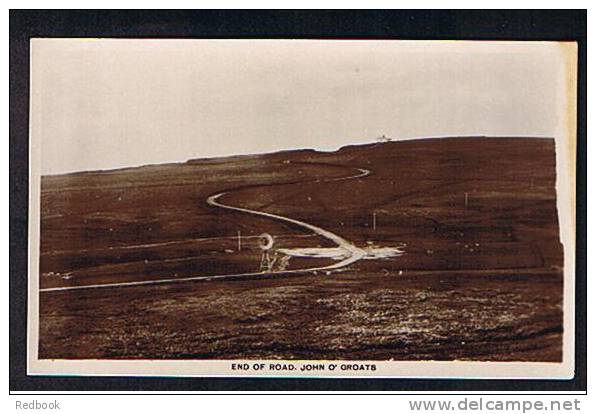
x=569 y=25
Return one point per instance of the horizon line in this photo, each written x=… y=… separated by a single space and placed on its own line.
x=389 y=140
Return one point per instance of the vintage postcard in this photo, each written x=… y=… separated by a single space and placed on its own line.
x=302 y=208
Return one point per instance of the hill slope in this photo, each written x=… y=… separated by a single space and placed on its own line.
x=481 y=277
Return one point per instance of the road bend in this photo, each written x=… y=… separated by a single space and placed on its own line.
x=351 y=252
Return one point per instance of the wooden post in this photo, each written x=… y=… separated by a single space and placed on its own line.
x=239 y=241
x=374 y=221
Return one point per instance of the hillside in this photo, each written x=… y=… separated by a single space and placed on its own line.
x=480 y=278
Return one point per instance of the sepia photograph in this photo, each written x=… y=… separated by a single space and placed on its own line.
x=302 y=208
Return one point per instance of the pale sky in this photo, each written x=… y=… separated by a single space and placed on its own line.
x=101 y=104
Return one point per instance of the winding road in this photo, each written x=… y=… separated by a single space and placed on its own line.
x=351 y=253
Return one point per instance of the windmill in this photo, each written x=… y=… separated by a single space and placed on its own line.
x=266 y=243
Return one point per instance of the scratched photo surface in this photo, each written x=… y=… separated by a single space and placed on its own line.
x=308 y=200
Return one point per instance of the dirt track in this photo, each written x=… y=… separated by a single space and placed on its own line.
x=480 y=280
